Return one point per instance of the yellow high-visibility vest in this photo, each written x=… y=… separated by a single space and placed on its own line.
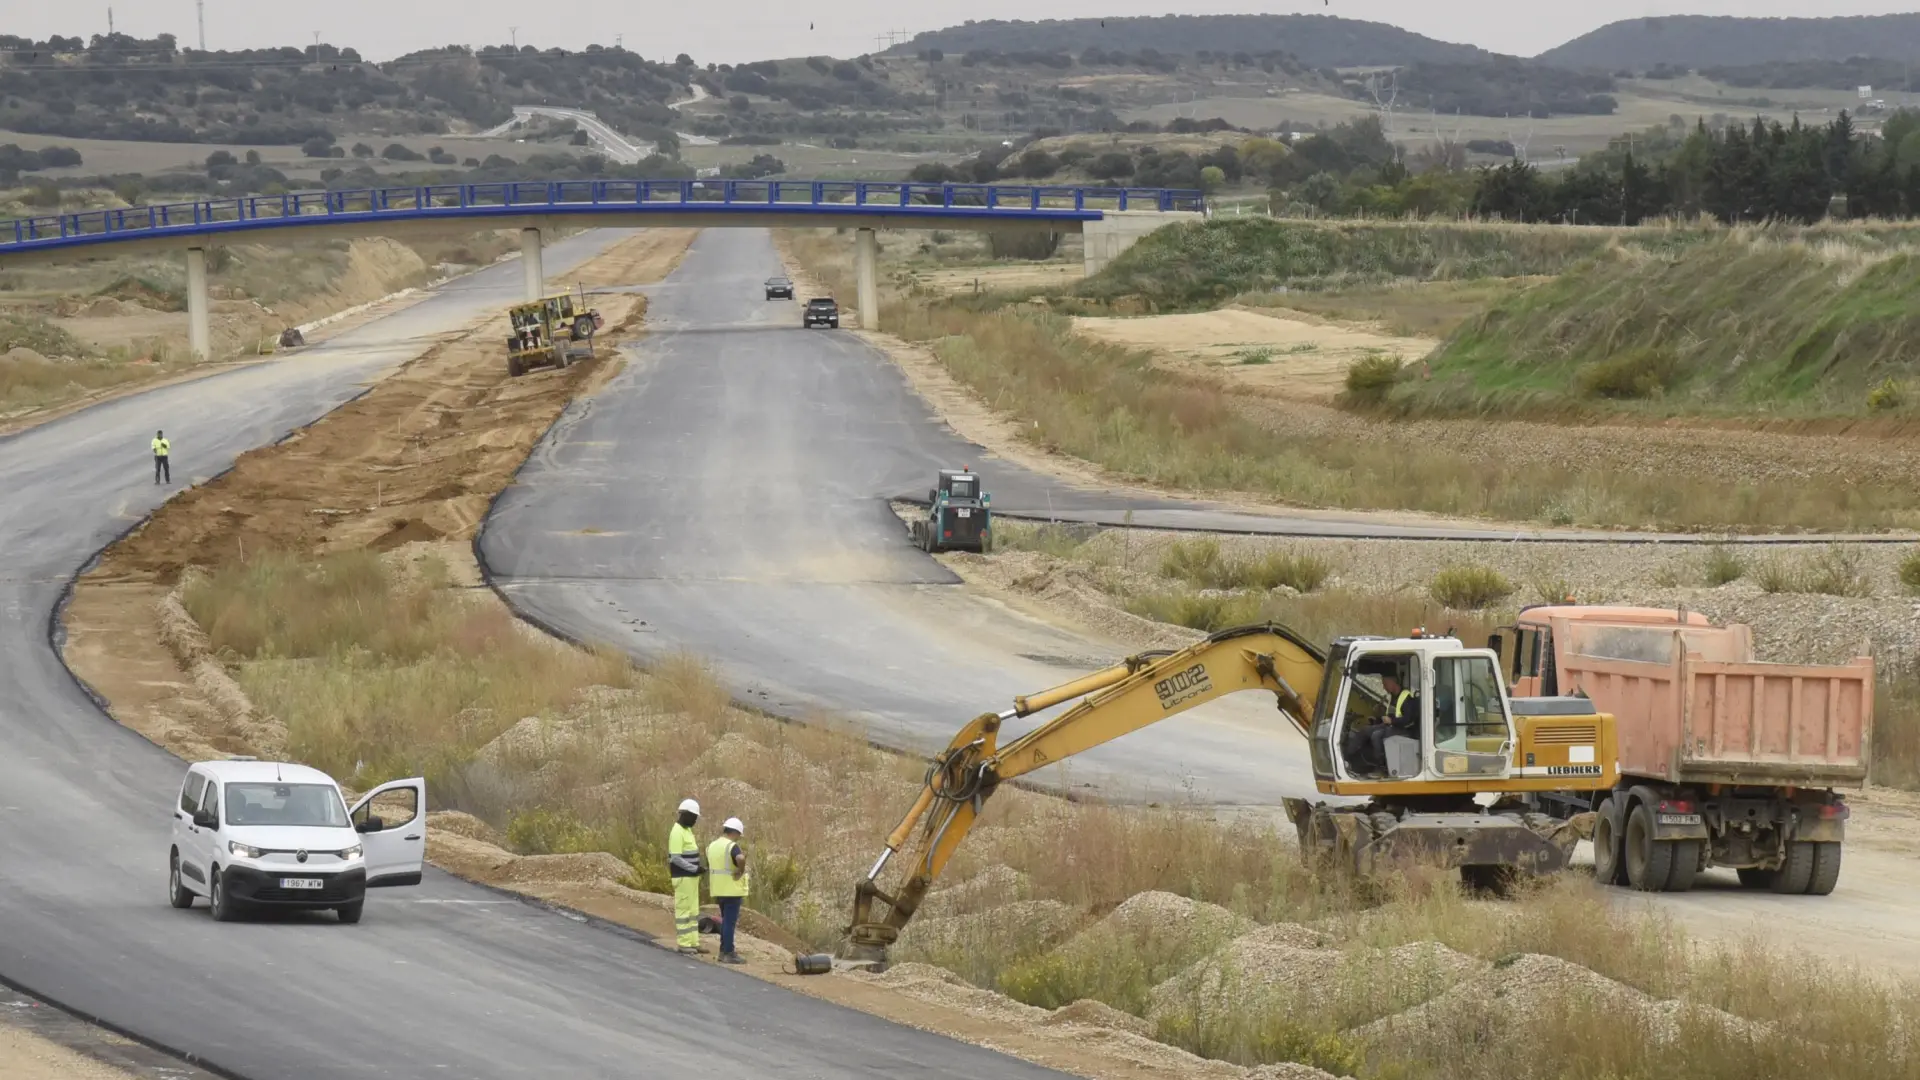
x=681 y=842
x=724 y=878
x=160 y=447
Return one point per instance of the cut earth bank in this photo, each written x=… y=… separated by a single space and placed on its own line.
x=568 y=763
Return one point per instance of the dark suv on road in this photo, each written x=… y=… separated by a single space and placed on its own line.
x=821 y=311
x=779 y=288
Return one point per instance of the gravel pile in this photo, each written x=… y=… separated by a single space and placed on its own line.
x=1156 y=913
x=1264 y=966
x=1026 y=925
x=1532 y=986
x=988 y=889
x=937 y=986
x=1098 y=1014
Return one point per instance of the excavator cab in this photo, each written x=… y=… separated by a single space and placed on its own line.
x=1456 y=721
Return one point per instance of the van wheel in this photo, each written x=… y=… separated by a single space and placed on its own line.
x=177 y=893
x=350 y=913
x=224 y=907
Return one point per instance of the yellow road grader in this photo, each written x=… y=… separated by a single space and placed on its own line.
x=554 y=332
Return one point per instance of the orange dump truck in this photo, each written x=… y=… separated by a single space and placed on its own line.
x=1724 y=761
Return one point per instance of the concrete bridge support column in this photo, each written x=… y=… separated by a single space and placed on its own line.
x=536 y=274
x=866 y=252
x=199 y=330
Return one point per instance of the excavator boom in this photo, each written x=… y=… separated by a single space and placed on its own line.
x=1114 y=702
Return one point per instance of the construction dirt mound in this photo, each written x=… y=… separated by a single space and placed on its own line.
x=1098 y=1014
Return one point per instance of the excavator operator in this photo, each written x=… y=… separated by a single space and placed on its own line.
x=1366 y=747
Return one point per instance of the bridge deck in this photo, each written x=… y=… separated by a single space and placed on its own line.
x=852 y=199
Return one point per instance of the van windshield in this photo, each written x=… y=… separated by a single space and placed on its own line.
x=285 y=804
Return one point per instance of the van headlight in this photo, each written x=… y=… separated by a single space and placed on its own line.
x=351 y=853
x=235 y=847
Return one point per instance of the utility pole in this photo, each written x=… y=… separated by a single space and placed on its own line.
x=109 y=22
x=514 y=31
x=200 y=12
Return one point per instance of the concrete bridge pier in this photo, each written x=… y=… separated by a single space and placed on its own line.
x=536 y=275
x=866 y=256
x=199 y=329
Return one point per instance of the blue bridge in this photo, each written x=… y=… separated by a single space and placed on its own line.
x=1109 y=218
x=866 y=204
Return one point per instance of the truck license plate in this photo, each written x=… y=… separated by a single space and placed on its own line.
x=301 y=883
x=1679 y=819
x=963 y=512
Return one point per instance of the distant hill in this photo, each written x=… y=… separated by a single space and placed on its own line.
x=1701 y=41
x=1317 y=40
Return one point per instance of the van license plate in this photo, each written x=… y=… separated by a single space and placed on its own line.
x=301 y=883
x=1679 y=819
x=963 y=512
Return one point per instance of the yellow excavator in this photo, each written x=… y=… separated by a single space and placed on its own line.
x=1425 y=778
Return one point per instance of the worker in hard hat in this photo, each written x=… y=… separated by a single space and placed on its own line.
x=683 y=867
x=727 y=883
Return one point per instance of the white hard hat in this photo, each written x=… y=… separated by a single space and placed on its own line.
x=689 y=806
x=732 y=824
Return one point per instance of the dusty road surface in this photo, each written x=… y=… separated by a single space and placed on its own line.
x=469 y=982
x=727 y=494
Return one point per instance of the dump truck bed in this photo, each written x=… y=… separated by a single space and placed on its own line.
x=1692 y=707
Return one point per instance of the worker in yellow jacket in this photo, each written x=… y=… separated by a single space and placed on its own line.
x=162 y=448
x=683 y=867
x=727 y=883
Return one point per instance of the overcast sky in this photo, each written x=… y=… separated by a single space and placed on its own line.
x=729 y=32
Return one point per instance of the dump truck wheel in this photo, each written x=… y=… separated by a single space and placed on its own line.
x=1609 y=866
x=1755 y=877
x=1796 y=874
x=1686 y=865
x=1649 y=863
x=1826 y=869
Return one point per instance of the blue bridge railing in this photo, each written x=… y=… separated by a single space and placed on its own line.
x=852 y=197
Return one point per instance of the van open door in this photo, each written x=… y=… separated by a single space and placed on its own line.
x=393 y=831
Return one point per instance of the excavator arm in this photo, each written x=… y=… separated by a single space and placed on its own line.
x=1140 y=691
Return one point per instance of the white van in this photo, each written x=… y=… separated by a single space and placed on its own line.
x=272 y=834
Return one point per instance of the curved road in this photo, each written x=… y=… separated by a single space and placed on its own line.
x=444 y=980
x=727 y=494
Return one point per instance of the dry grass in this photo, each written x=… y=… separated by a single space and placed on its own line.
x=1472 y=588
x=1113 y=407
x=1834 y=571
x=386 y=670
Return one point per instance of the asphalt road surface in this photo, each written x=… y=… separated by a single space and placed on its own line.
x=443 y=980
x=727 y=495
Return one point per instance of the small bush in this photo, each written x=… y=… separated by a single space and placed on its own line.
x=1836 y=571
x=1195 y=561
x=1552 y=588
x=1369 y=381
x=1777 y=575
x=1889 y=396
x=1721 y=565
x=1470 y=588
x=550 y=832
x=1208 y=612
x=1258 y=355
x=1297 y=570
x=1640 y=373
x=1910 y=571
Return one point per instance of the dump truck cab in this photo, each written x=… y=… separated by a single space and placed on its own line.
x=958 y=515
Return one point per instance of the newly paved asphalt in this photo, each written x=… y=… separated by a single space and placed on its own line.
x=727 y=495
x=444 y=980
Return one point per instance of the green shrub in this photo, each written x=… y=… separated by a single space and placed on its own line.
x=1196 y=561
x=1722 y=565
x=1208 y=612
x=1910 y=571
x=1887 y=397
x=1470 y=588
x=1836 y=571
x=1258 y=355
x=550 y=832
x=1297 y=570
x=1638 y=373
x=1369 y=381
x=1777 y=575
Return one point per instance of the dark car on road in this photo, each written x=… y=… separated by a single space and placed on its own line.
x=821 y=311
x=779 y=288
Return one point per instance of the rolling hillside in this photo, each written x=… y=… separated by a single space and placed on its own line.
x=1699 y=41
x=1318 y=40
